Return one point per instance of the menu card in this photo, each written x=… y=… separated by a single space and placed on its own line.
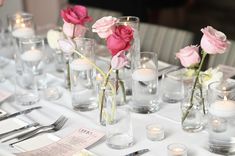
x=68 y=146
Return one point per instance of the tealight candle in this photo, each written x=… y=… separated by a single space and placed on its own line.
x=218 y=124
x=80 y=65
x=224 y=108
x=32 y=55
x=176 y=149
x=155 y=132
x=144 y=74
x=23 y=32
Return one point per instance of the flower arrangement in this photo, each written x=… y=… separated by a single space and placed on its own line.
x=212 y=42
x=119 y=39
x=74 y=19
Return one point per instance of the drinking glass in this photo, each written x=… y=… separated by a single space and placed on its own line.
x=145 y=83
x=26 y=90
x=32 y=58
x=119 y=130
x=82 y=76
x=21 y=25
x=172 y=87
x=221 y=124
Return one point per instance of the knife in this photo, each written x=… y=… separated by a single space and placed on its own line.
x=6 y=134
x=26 y=111
x=139 y=152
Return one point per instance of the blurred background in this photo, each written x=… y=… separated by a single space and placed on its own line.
x=189 y=15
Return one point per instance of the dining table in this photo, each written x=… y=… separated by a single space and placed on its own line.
x=168 y=116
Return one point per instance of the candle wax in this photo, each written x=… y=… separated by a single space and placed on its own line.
x=32 y=55
x=23 y=32
x=224 y=108
x=80 y=65
x=144 y=74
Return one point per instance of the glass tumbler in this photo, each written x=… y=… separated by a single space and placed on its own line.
x=221 y=123
x=21 y=25
x=145 y=84
x=172 y=87
x=119 y=130
x=32 y=58
x=82 y=76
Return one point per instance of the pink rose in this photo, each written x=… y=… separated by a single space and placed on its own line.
x=76 y=15
x=213 y=41
x=189 y=56
x=120 y=39
x=70 y=31
x=67 y=46
x=119 y=60
x=104 y=26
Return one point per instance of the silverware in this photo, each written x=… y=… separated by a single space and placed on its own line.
x=50 y=130
x=6 y=134
x=19 y=113
x=29 y=133
x=136 y=153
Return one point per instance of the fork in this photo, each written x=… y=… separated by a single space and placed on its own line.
x=23 y=135
x=50 y=130
x=56 y=123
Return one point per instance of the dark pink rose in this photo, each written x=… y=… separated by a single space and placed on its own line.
x=120 y=39
x=189 y=56
x=125 y=32
x=213 y=41
x=76 y=15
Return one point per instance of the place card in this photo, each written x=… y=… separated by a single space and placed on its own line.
x=4 y=95
x=70 y=145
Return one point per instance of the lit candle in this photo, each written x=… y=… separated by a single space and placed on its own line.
x=218 y=124
x=144 y=74
x=176 y=149
x=223 y=108
x=23 y=32
x=52 y=93
x=80 y=65
x=155 y=132
x=32 y=55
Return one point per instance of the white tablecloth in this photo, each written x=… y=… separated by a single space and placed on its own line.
x=168 y=116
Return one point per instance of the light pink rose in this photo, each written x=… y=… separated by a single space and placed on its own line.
x=119 y=60
x=77 y=14
x=104 y=26
x=67 y=46
x=79 y=30
x=120 y=40
x=189 y=56
x=213 y=41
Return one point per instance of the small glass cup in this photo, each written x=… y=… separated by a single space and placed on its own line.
x=82 y=76
x=172 y=87
x=145 y=84
x=155 y=132
x=176 y=149
x=21 y=25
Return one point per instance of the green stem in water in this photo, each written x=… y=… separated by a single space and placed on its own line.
x=202 y=98
x=194 y=86
x=68 y=74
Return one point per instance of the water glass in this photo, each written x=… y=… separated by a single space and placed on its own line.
x=172 y=87
x=26 y=90
x=221 y=123
x=119 y=131
x=145 y=84
x=32 y=58
x=82 y=76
